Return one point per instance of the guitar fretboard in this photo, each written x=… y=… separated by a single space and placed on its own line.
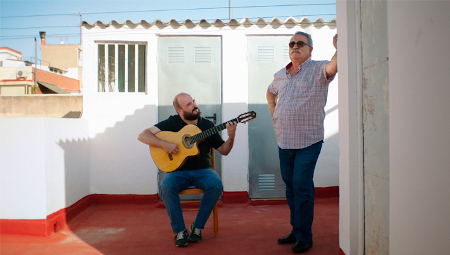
x=209 y=132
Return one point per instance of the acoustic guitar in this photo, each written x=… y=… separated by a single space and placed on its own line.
x=187 y=139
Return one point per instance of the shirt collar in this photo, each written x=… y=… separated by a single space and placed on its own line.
x=288 y=66
x=301 y=65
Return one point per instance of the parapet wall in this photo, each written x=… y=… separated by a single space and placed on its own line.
x=49 y=105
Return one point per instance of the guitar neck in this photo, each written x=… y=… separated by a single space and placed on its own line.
x=209 y=132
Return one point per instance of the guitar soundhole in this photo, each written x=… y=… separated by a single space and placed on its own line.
x=187 y=143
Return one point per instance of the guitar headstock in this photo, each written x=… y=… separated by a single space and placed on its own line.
x=246 y=117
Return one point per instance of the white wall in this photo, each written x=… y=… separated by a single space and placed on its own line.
x=11 y=58
x=235 y=102
x=67 y=150
x=419 y=120
x=124 y=116
x=44 y=166
x=22 y=169
x=351 y=224
x=419 y=108
x=72 y=72
x=10 y=73
x=120 y=164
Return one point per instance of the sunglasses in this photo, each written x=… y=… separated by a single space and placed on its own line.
x=299 y=44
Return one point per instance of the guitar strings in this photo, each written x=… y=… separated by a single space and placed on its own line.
x=213 y=130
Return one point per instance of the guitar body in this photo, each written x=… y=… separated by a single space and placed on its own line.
x=171 y=162
x=187 y=139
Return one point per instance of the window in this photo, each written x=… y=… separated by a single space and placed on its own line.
x=121 y=67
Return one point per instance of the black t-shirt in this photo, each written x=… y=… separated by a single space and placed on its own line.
x=174 y=124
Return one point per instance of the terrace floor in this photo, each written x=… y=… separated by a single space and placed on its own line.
x=244 y=228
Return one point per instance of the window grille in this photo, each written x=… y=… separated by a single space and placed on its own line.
x=121 y=67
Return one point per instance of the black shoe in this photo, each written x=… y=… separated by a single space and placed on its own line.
x=196 y=234
x=300 y=247
x=287 y=239
x=182 y=239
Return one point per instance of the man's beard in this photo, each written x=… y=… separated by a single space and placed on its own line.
x=191 y=115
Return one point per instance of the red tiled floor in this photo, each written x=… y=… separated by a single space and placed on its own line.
x=145 y=229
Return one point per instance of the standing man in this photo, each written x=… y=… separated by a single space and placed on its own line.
x=196 y=171
x=296 y=99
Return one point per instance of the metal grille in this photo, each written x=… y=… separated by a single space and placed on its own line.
x=266 y=54
x=175 y=55
x=202 y=55
x=266 y=181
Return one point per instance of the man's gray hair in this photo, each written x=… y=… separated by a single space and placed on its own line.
x=310 y=41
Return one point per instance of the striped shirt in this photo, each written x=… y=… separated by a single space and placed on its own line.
x=299 y=113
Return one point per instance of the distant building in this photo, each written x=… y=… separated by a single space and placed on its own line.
x=61 y=58
x=17 y=75
x=10 y=57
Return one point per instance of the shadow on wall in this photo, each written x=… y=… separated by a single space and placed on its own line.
x=72 y=115
x=119 y=163
x=111 y=163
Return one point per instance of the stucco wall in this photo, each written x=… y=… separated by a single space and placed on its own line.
x=53 y=106
x=418 y=128
x=61 y=56
x=114 y=112
x=351 y=195
x=44 y=165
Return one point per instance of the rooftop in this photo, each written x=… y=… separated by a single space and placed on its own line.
x=244 y=228
x=261 y=22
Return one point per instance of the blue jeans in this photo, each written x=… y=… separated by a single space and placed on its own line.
x=297 y=170
x=174 y=182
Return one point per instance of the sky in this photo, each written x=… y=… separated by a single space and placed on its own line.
x=21 y=20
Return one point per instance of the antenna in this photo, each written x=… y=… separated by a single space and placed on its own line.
x=81 y=20
x=63 y=38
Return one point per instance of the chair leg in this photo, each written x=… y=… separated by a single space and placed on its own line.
x=216 y=220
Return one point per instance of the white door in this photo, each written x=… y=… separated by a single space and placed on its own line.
x=191 y=64
x=266 y=55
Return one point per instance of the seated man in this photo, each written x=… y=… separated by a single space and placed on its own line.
x=196 y=171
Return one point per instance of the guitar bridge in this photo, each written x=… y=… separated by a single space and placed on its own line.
x=170 y=156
